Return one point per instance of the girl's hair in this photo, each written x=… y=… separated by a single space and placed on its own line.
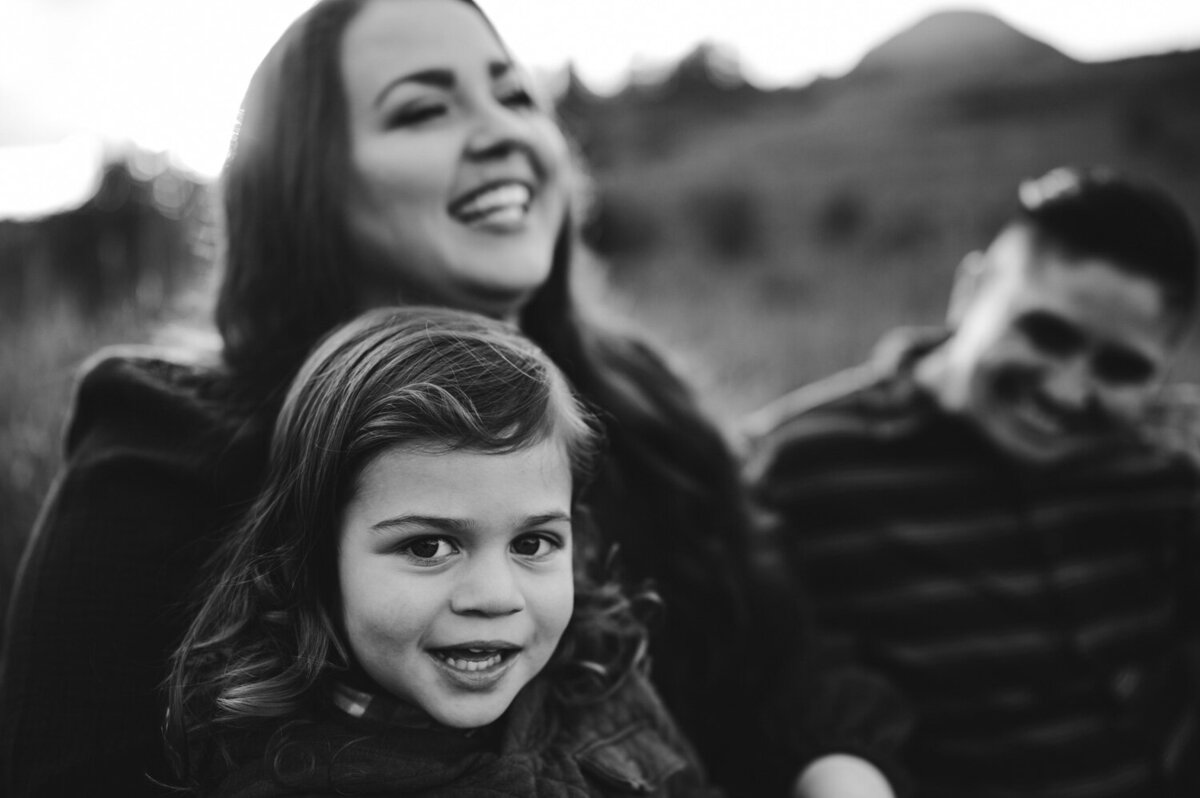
x=669 y=493
x=267 y=635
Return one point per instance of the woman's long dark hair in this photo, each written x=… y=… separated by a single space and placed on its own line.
x=669 y=495
x=289 y=271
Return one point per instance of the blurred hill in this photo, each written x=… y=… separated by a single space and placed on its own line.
x=772 y=236
x=957 y=44
x=134 y=240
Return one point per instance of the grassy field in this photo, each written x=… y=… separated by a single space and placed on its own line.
x=39 y=358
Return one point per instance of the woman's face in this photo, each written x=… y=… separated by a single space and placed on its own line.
x=459 y=178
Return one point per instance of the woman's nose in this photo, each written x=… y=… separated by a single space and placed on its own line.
x=488 y=586
x=498 y=131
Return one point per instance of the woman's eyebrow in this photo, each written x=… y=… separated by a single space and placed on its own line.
x=438 y=78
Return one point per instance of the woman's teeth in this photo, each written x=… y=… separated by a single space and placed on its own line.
x=504 y=203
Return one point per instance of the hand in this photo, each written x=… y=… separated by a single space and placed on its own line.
x=842 y=776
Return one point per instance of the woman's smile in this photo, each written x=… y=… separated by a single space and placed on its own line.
x=496 y=206
x=459 y=176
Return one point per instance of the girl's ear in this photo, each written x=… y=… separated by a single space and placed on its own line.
x=969 y=279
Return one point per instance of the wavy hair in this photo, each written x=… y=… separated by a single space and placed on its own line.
x=266 y=637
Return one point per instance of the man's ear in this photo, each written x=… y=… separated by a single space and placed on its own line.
x=968 y=282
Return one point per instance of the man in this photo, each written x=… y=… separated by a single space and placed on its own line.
x=989 y=515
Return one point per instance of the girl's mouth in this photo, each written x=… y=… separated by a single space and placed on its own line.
x=475 y=661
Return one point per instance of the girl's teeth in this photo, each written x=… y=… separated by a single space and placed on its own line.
x=472 y=665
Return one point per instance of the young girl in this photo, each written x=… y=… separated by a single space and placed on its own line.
x=403 y=608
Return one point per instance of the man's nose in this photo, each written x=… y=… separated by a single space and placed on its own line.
x=1070 y=385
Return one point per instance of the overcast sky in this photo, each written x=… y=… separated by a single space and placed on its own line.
x=170 y=73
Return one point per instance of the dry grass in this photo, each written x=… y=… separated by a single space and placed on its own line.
x=39 y=357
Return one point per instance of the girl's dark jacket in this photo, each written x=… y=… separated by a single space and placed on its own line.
x=622 y=744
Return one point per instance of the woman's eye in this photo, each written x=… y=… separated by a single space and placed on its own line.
x=414 y=115
x=429 y=548
x=517 y=98
x=539 y=545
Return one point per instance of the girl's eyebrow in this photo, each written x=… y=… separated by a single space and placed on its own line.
x=457 y=525
x=547 y=518
x=445 y=524
x=438 y=78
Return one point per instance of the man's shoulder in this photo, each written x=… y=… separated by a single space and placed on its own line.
x=845 y=394
x=862 y=403
x=874 y=404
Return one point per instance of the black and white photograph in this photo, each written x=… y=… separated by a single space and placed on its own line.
x=604 y=398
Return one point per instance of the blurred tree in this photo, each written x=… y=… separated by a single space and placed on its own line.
x=727 y=221
x=841 y=217
x=621 y=224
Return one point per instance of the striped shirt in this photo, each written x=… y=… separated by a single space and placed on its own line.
x=1039 y=621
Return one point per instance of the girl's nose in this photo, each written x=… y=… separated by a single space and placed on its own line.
x=489 y=587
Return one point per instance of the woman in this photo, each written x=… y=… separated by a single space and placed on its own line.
x=389 y=152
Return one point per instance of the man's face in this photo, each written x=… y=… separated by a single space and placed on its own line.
x=1055 y=358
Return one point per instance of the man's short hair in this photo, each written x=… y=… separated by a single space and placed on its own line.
x=1136 y=225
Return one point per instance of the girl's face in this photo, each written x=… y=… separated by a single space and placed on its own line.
x=455 y=575
x=459 y=178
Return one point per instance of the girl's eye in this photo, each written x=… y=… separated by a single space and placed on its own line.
x=429 y=549
x=536 y=545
